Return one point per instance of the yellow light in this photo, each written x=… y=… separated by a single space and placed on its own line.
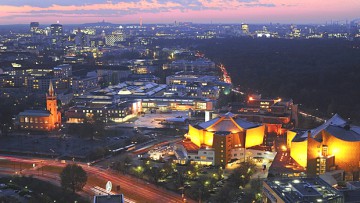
x=251 y=98
x=283 y=148
x=335 y=151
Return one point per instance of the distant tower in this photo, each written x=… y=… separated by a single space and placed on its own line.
x=103 y=34
x=141 y=22
x=51 y=106
x=244 y=28
x=56 y=30
x=34 y=26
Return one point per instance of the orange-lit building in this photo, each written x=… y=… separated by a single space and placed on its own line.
x=222 y=137
x=331 y=146
x=277 y=115
x=42 y=120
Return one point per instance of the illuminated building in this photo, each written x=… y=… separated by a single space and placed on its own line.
x=277 y=114
x=62 y=71
x=42 y=83
x=100 y=108
x=152 y=95
x=42 y=120
x=187 y=65
x=34 y=26
x=245 y=29
x=331 y=146
x=113 y=74
x=111 y=40
x=291 y=190
x=222 y=138
x=187 y=79
x=81 y=85
x=355 y=28
x=38 y=77
x=56 y=30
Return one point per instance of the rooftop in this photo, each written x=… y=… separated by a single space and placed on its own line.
x=109 y=199
x=335 y=120
x=336 y=126
x=303 y=190
x=189 y=146
x=344 y=133
x=228 y=122
x=39 y=113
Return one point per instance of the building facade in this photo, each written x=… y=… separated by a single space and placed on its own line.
x=42 y=120
x=331 y=146
x=221 y=135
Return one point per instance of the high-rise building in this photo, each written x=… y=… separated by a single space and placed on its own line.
x=34 y=26
x=110 y=40
x=245 y=28
x=56 y=30
x=355 y=28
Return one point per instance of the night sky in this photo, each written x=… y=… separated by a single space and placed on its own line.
x=168 y=11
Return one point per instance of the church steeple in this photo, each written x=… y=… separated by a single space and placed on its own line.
x=51 y=89
x=51 y=106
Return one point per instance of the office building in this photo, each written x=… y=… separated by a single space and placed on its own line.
x=34 y=26
x=112 y=39
x=56 y=30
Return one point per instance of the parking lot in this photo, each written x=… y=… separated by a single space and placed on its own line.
x=55 y=146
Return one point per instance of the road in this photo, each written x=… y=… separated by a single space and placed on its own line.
x=318 y=119
x=226 y=76
x=138 y=190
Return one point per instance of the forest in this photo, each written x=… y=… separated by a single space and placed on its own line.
x=323 y=75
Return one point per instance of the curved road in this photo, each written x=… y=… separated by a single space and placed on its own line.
x=138 y=190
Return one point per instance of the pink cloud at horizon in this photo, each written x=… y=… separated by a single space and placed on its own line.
x=204 y=11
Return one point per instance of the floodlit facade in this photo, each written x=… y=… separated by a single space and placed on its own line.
x=113 y=112
x=331 y=146
x=42 y=120
x=220 y=136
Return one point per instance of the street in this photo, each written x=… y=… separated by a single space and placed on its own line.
x=135 y=190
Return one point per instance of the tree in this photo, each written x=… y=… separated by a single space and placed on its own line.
x=93 y=126
x=73 y=177
x=138 y=171
x=241 y=175
x=200 y=190
x=154 y=174
x=123 y=164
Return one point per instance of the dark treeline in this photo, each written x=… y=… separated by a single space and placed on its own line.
x=319 y=74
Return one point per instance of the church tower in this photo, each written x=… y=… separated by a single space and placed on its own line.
x=51 y=106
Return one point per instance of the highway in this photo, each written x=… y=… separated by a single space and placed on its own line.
x=135 y=190
x=226 y=76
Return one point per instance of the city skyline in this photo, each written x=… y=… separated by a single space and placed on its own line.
x=169 y=11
